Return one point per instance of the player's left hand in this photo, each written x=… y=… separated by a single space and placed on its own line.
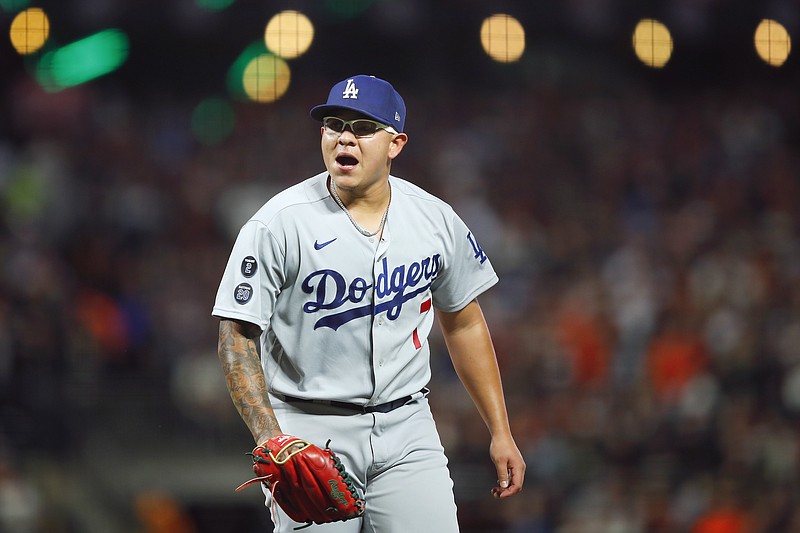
x=510 y=466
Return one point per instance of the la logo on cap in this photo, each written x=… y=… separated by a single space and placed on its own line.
x=350 y=90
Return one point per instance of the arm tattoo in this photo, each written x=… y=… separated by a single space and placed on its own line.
x=238 y=353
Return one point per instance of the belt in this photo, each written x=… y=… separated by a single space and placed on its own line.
x=380 y=408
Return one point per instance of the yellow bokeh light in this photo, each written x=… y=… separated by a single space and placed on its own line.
x=773 y=43
x=289 y=34
x=29 y=30
x=652 y=43
x=503 y=38
x=266 y=78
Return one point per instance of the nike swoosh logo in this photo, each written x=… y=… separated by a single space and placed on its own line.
x=320 y=245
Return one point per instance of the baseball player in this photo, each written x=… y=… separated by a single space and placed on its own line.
x=326 y=304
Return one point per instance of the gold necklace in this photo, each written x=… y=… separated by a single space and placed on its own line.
x=361 y=230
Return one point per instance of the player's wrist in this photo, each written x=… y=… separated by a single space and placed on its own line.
x=501 y=432
x=264 y=438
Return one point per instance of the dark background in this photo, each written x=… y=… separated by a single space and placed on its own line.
x=644 y=224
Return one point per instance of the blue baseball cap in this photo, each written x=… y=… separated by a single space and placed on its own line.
x=368 y=95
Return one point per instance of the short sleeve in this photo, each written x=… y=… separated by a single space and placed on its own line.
x=467 y=271
x=253 y=277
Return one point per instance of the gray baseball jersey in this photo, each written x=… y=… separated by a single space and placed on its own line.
x=344 y=316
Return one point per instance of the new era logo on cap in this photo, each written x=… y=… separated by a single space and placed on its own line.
x=368 y=95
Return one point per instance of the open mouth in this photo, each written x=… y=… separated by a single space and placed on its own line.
x=346 y=160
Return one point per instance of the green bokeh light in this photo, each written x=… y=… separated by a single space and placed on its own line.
x=14 y=6
x=82 y=60
x=213 y=121
x=214 y=5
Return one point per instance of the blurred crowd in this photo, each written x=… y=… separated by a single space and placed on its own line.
x=647 y=321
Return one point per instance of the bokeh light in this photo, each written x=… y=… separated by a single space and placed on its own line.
x=772 y=42
x=214 y=5
x=289 y=34
x=503 y=38
x=83 y=60
x=29 y=30
x=13 y=6
x=235 y=77
x=652 y=43
x=213 y=121
x=266 y=78
x=645 y=223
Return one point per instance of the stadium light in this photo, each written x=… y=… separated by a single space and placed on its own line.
x=503 y=38
x=266 y=78
x=30 y=29
x=652 y=43
x=289 y=34
x=773 y=43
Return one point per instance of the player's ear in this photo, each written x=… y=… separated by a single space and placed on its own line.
x=396 y=145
